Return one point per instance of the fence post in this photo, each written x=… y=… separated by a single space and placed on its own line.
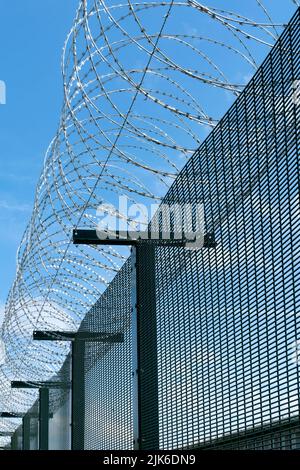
x=78 y=394
x=78 y=340
x=14 y=441
x=144 y=342
x=44 y=414
x=44 y=418
x=26 y=432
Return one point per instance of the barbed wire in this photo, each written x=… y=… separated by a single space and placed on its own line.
x=141 y=81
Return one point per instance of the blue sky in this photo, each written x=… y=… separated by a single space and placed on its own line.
x=31 y=37
x=32 y=34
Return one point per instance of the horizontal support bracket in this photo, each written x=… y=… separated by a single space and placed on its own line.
x=101 y=337
x=6 y=414
x=90 y=237
x=6 y=433
x=39 y=385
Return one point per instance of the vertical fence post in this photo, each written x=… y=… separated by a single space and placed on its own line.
x=14 y=441
x=26 y=432
x=135 y=352
x=44 y=418
x=78 y=394
x=144 y=341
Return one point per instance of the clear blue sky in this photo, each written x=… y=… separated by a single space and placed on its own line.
x=31 y=38
x=32 y=33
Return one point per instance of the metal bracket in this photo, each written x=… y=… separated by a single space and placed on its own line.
x=26 y=432
x=90 y=237
x=44 y=418
x=7 y=414
x=39 y=385
x=78 y=339
x=6 y=433
x=101 y=337
x=143 y=323
x=44 y=413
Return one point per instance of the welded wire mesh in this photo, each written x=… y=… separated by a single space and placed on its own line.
x=143 y=84
x=33 y=415
x=227 y=323
x=60 y=409
x=228 y=318
x=108 y=391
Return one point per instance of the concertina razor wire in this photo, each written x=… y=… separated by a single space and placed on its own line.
x=141 y=84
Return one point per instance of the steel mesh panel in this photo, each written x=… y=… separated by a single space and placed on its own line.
x=60 y=410
x=285 y=436
x=17 y=439
x=34 y=426
x=227 y=317
x=108 y=417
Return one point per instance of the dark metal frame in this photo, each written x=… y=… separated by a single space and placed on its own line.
x=144 y=324
x=26 y=432
x=8 y=414
x=44 y=414
x=90 y=237
x=5 y=433
x=44 y=418
x=78 y=340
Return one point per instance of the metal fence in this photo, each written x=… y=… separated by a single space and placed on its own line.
x=218 y=328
